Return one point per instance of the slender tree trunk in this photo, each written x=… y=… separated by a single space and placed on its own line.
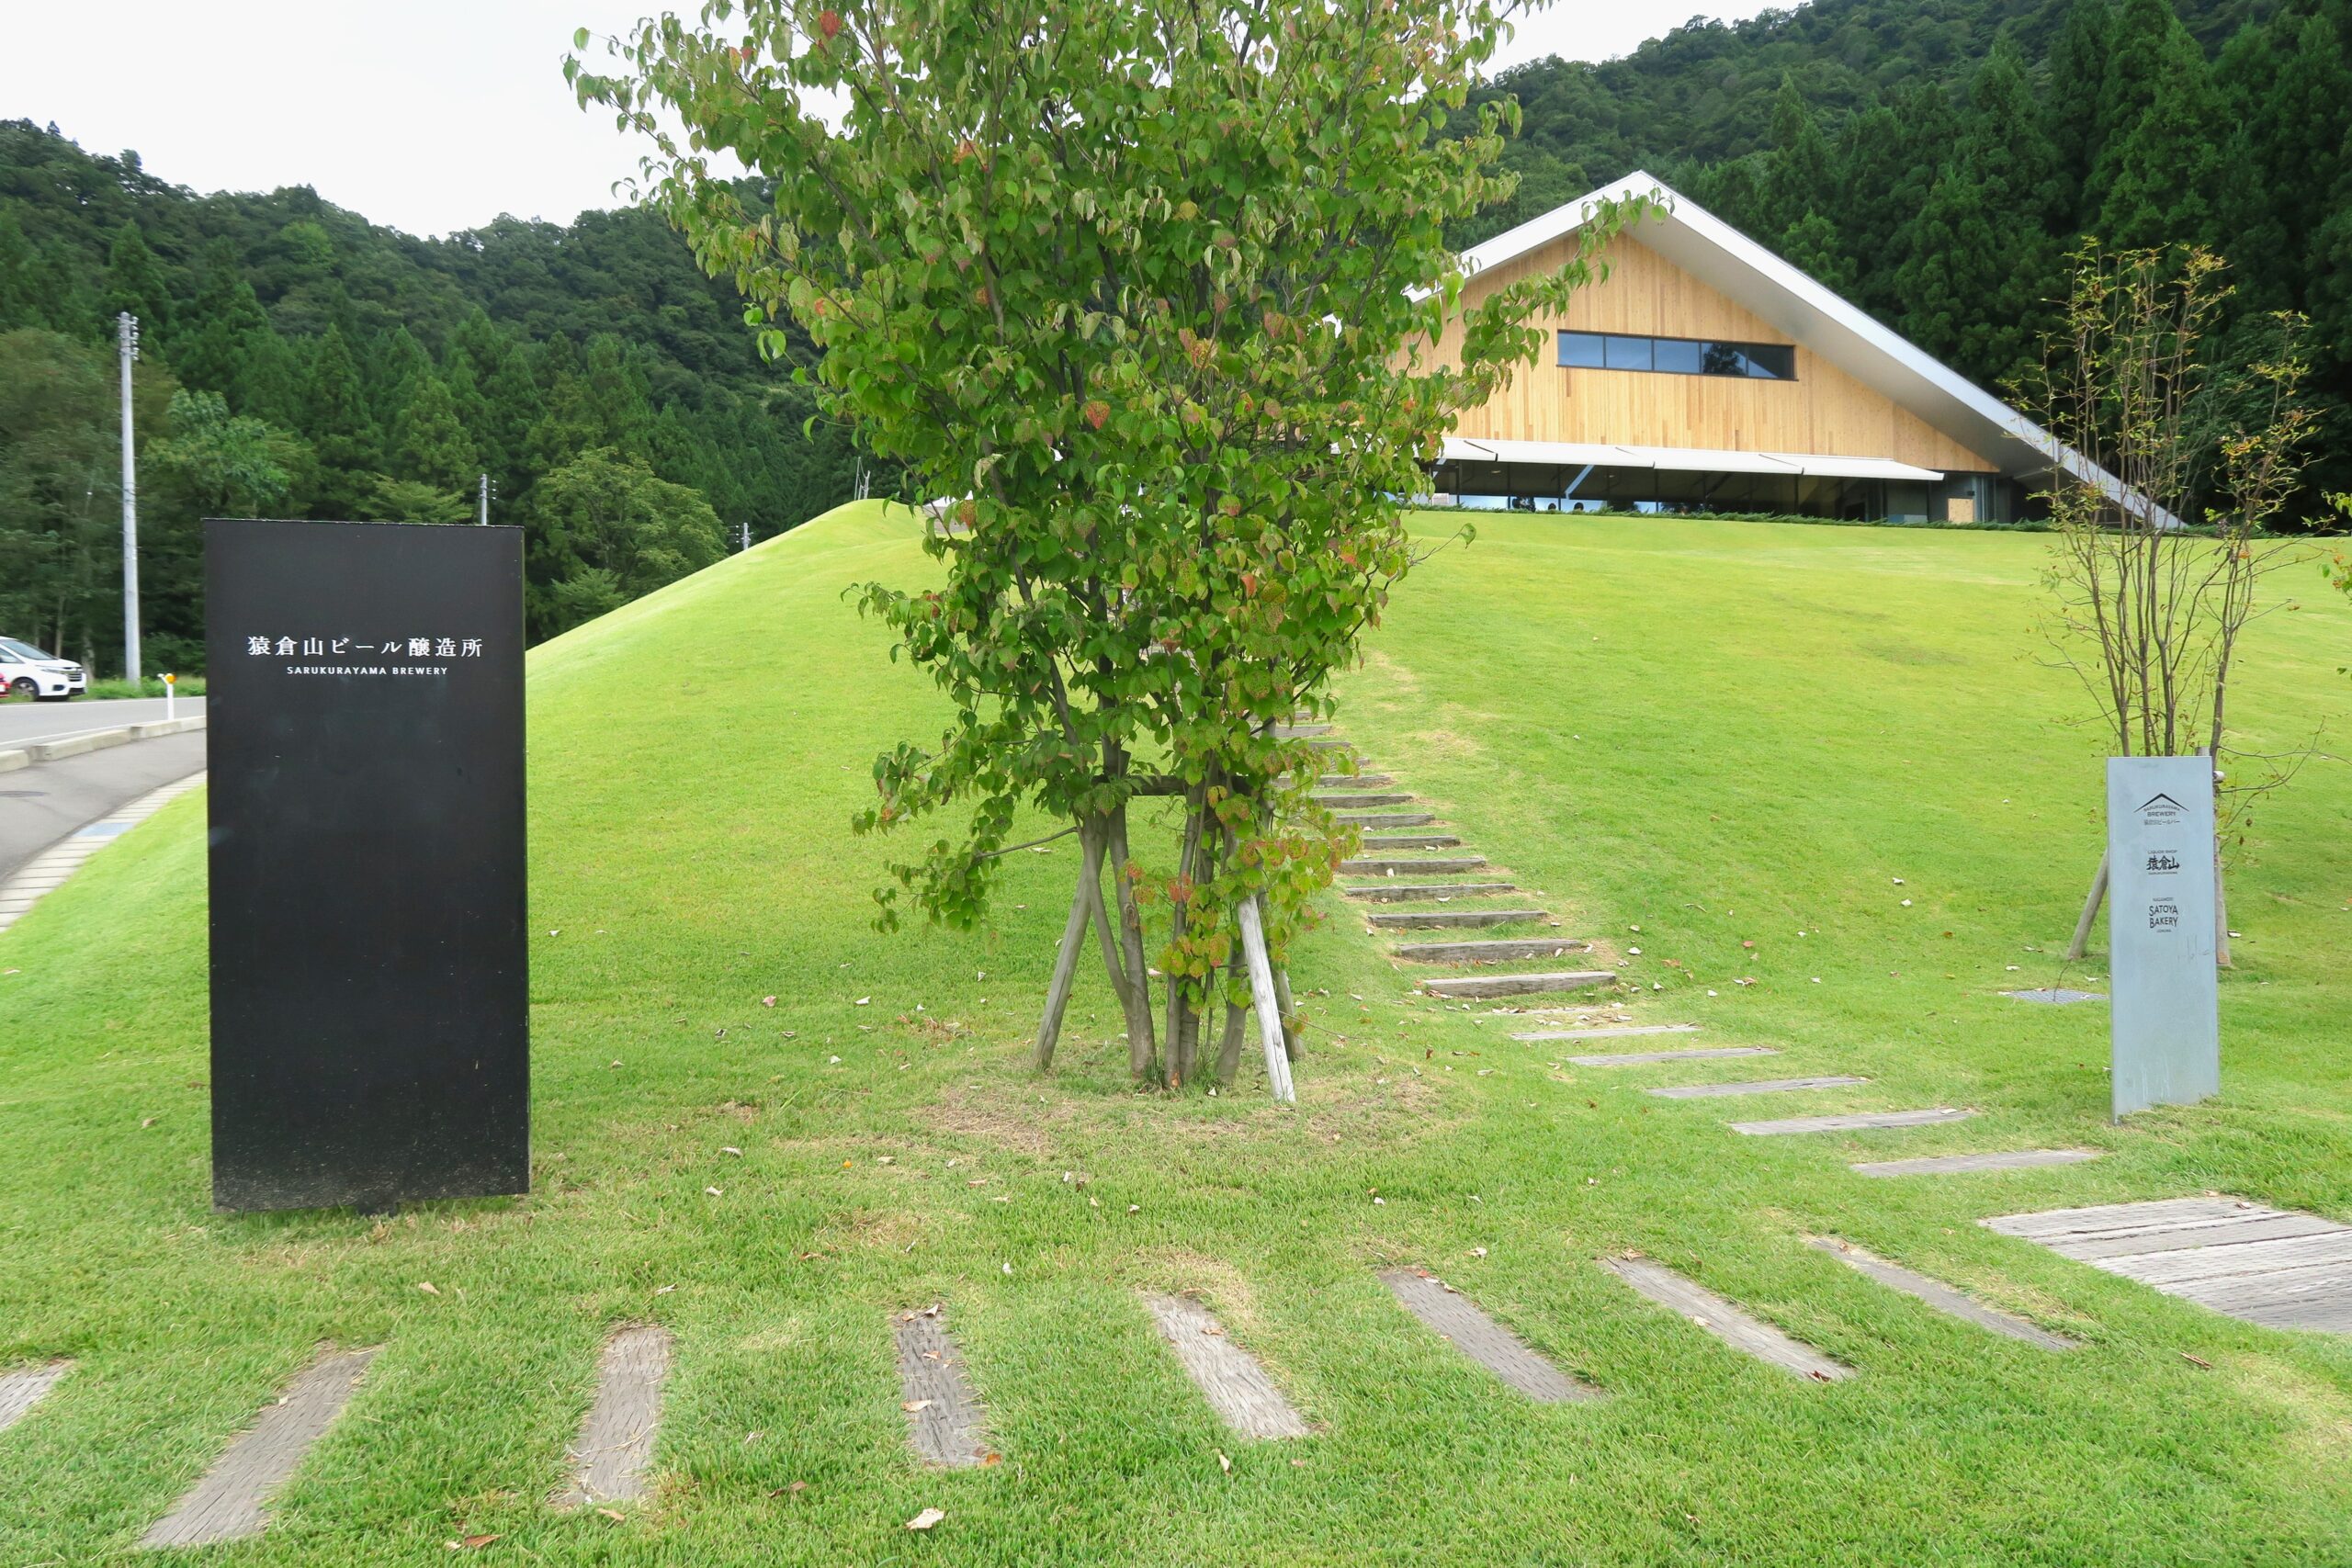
x=2090 y=913
x=1181 y=1031
x=1229 y=1052
x=1081 y=912
x=1282 y=1000
x=1143 y=1049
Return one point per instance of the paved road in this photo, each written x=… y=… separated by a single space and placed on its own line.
x=41 y=804
x=21 y=723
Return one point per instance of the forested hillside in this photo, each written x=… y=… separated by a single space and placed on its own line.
x=298 y=360
x=1936 y=160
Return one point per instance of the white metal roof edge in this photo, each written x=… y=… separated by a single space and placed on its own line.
x=1896 y=352
x=1680 y=460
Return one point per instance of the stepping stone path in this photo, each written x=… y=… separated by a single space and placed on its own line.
x=1458 y=1322
x=1228 y=1377
x=1724 y=1321
x=2057 y=996
x=945 y=1421
x=2273 y=1267
x=228 y=1504
x=615 y=1447
x=1851 y=1123
x=24 y=1387
x=1753 y=1086
x=1953 y=1164
x=1940 y=1296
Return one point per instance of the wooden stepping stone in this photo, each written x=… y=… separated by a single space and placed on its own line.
x=1454 y=1318
x=1519 y=984
x=615 y=1447
x=945 y=1421
x=1618 y=1033
x=1427 y=892
x=1228 y=1377
x=1432 y=919
x=1489 y=950
x=1357 y=781
x=1953 y=1164
x=1411 y=841
x=1439 y=866
x=1352 y=802
x=1299 y=731
x=1851 y=1123
x=1940 y=1296
x=1635 y=1058
x=26 y=1387
x=1388 y=819
x=228 y=1504
x=1752 y=1086
x=2274 y=1267
x=1724 y=1321
x=1329 y=743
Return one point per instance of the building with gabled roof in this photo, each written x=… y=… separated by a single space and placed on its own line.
x=1704 y=373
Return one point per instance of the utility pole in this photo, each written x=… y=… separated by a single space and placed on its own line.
x=747 y=533
x=127 y=345
x=483 y=515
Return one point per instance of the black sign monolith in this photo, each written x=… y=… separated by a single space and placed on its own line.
x=371 y=1001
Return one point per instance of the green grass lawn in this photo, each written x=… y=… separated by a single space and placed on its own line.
x=1718 y=733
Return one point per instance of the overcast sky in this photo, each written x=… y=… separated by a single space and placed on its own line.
x=429 y=114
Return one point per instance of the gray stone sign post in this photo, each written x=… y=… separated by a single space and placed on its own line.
x=2167 y=1019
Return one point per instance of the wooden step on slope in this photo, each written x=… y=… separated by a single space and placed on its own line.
x=1346 y=800
x=1430 y=919
x=1427 y=892
x=1443 y=866
x=1489 y=950
x=1352 y=781
x=1299 y=731
x=1609 y=1033
x=1752 y=1086
x=1469 y=987
x=1384 y=841
x=1329 y=743
x=1642 y=1058
x=1388 y=819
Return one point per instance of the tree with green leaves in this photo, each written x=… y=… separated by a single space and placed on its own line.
x=2159 y=177
x=340 y=428
x=1151 y=298
x=135 y=283
x=604 y=529
x=430 y=443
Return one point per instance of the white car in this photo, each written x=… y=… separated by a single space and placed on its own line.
x=26 y=672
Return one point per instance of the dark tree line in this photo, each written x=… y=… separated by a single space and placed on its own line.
x=1937 y=162
x=298 y=360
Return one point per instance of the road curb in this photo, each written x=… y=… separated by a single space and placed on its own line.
x=55 y=866
x=96 y=741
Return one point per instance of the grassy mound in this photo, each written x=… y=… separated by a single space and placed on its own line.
x=1719 y=733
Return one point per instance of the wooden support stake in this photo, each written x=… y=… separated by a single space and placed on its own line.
x=1269 y=1012
x=2090 y=913
x=1082 y=910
